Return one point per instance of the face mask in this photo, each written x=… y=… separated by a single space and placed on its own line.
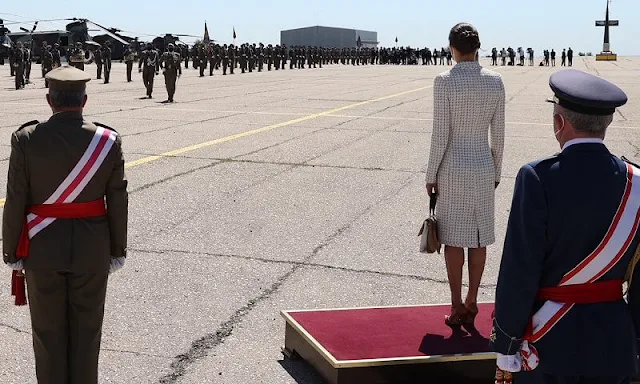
x=561 y=129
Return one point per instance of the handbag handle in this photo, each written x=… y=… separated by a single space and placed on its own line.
x=433 y=199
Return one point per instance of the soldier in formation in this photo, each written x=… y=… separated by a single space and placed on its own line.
x=12 y=70
x=171 y=65
x=27 y=62
x=232 y=58
x=18 y=65
x=77 y=58
x=129 y=58
x=213 y=57
x=292 y=57
x=277 y=57
x=55 y=52
x=106 y=59
x=244 y=57
x=149 y=66
x=97 y=57
x=47 y=62
x=283 y=56
x=202 y=60
x=185 y=54
x=225 y=59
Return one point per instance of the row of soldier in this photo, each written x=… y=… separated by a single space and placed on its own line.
x=20 y=64
x=250 y=57
x=246 y=57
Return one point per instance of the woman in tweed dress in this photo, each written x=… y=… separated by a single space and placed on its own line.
x=464 y=167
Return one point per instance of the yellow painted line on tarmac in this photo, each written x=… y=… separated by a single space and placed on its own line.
x=225 y=139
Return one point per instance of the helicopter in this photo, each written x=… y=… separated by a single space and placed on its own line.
x=76 y=31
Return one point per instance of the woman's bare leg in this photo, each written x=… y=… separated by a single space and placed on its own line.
x=454 y=257
x=477 y=260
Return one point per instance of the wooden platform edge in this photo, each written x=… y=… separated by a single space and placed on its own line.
x=338 y=364
x=291 y=322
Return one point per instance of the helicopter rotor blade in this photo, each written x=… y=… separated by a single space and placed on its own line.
x=106 y=31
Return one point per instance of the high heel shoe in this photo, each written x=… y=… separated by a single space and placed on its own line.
x=457 y=316
x=472 y=312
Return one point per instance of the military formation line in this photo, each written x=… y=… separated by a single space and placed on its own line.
x=231 y=59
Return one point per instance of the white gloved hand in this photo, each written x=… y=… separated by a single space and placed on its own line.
x=17 y=266
x=509 y=363
x=116 y=264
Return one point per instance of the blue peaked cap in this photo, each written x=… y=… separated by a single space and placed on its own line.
x=585 y=93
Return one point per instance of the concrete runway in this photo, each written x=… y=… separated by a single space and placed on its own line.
x=263 y=192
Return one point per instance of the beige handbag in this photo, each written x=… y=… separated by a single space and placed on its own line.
x=429 y=242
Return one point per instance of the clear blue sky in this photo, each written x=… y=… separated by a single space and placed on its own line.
x=529 y=23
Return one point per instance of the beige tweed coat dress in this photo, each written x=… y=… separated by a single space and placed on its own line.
x=465 y=159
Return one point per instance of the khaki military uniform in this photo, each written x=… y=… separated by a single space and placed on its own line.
x=129 y=57
x=68 y=262
x=149 y=64
x=18 y=67
x=170 y=62
x=106 y=58
x=77 y=59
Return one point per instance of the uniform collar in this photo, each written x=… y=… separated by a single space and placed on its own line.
x=582 y=141
x=66 y=115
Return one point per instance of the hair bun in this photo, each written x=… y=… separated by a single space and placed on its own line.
x=469 y=34
x=464 y=37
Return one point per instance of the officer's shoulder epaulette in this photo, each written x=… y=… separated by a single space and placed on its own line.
x=104 y=126
x=32 y=122
x=629 y=161
x=545 y=159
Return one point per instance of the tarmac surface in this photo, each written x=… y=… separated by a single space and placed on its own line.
x=272 y=191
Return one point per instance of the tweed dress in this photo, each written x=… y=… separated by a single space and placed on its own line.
x=469 y=106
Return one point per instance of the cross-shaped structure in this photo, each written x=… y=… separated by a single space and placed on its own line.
x=606 y=54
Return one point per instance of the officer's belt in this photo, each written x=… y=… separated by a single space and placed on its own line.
x=94 y=208
x=600 y=292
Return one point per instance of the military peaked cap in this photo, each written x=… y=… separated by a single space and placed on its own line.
x=585 y=93
x=67 y=78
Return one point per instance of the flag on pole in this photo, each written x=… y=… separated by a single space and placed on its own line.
x=234 y=33
x=206 y=38
x=359 y=42
x=396 y=39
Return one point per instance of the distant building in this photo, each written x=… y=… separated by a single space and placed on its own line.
x=329 y=37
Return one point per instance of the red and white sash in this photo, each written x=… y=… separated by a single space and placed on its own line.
x=78 y=179
x=608 y=253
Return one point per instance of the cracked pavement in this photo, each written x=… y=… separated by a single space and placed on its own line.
x=322 y=212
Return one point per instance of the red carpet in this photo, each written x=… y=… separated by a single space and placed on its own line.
x=378 y=333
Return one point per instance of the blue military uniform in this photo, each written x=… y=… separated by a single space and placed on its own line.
x=562 y=209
